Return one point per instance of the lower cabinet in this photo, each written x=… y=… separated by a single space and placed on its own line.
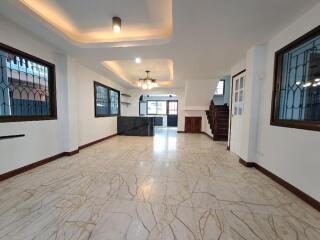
x=192 y=124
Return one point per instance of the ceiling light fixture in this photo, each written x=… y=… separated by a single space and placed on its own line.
x=147 y=82
x=307 y=84
x=116 y=24
x=137 y=60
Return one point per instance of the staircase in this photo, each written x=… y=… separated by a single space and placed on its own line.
x=218 y=118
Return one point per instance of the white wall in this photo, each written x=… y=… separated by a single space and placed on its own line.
x=90 y=127
x=291 y=154
x=75 y=124
x=198 y=95
x=42 y=138
x=247 y=134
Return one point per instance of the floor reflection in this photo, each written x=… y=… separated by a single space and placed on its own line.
x=165 y=139
x=170 y=186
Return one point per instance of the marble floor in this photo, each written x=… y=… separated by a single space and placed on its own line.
x=170 y=187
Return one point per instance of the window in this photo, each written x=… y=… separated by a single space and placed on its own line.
x=172 y=107
x=27 y=87
x=156 y=107
x=114 y=102
x=151 y=107
x=106 y=100
x=220 y=88
x=238 y=96
x=296 y=93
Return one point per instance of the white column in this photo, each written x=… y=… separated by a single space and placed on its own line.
x=68 y=100
x=255 y=72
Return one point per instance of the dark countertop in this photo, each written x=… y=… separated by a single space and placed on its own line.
x=136 y=125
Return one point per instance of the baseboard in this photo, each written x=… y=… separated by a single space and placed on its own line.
x=207 y=135
x=71 y=153
x=300 y=194
x=30 y=166
x=47 y=160
x=247 y=164
x=180 y=131
x=220 y=138
x=96 y=141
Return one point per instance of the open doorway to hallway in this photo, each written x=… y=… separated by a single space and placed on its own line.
x=163 y=107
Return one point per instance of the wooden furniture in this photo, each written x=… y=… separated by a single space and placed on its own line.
x=192 y=124
x=218 y=118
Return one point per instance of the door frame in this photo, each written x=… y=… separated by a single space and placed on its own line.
x=168 y=107
x=177 y=101
x=230 y=109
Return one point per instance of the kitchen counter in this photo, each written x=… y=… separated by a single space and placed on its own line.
x=136 y=126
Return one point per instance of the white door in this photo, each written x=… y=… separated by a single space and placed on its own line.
x=238 y=91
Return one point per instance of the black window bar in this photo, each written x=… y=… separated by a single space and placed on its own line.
x=27 y=87
x=296 y=89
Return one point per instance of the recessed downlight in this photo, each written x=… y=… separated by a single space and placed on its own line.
x=137 y=60
x=116 y=24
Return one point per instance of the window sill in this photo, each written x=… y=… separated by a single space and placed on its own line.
x=305 y=125
x=26 y=119
x=103 y=116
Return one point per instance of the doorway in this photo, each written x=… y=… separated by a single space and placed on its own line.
x=172 y=116
x=163 y=107
x=236 y=111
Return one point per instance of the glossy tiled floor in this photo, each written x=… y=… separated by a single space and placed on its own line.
x=172 y=186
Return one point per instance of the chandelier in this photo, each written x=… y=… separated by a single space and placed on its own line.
x=148 y=82
x=313 y=83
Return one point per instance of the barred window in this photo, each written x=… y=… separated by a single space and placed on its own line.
x=296 y=96
x=114 y=102
x=106 y=100
x=27 y=87
x=156 y=107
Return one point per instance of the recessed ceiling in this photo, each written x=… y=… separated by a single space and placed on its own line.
x=128 y=70
x=208 y=36
x=88 y=22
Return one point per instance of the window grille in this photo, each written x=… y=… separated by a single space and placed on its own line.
x=296 y=96
x=106 y=100
x=27 y=87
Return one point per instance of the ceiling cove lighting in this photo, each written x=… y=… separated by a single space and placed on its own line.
x=147 y=82
x=137 y=60
x=116 y=24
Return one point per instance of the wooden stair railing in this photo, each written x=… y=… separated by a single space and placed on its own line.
x=218 y=118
